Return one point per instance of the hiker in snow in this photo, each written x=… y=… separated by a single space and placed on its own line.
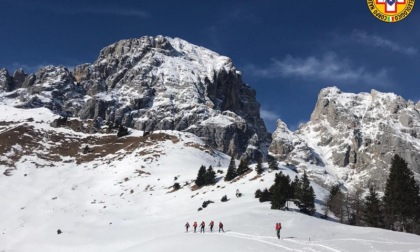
x=211 y=226
x=187 y=226
x=221 y=226
x=195 y=226
x=202 y=226
x=278 y=227
x=238 y=194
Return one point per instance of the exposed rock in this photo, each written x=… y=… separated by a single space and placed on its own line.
x=355 y=134
x=19 y=77
x=156 y=83
x=6 y=81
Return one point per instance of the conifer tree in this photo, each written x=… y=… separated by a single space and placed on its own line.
x=122 y=131
x=280 y=191
x=401 y=198
x=265 y=196
x=294 y=188
x=231 y=172
x=305 y=196
x=201 y=176
x=272 y=164
x=335 y=202
x=372 y=213
x=243 y=166
x=259 y=169
x=210 y=176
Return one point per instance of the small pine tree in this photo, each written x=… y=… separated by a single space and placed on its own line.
x=280 y=191
x=231 y=172
x=265 y=196
x=272 y=164
x=210 y=176
x=122 y=131
x=224 y=199
x=201 y=177
x=176 y=186
x=259 y=169
x=372 y=212
x=258 y=193
x=243 y=166
x=401 y=198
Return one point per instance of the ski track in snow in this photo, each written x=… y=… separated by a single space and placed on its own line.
x=255 y=238
x=261 y=239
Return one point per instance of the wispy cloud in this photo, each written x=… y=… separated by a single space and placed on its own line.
x=115 y=12
x=328 y=67
x=380 y=42
x=269 y=115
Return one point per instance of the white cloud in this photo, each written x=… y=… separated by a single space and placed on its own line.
x=380 y=42
x=268 y=115
x=325 y=68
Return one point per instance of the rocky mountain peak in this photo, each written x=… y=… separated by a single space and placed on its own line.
x=356 y=135
x=152 y=83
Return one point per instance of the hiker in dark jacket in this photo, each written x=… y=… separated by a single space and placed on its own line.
x=202 y=226
x=211 y=226
x=221 y=227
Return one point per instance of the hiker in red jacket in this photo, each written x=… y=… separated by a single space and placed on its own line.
x=278 y=227
x=195 y=226
x=211 y=226
x=202 y=226
x=187 y=226
x=221 y=227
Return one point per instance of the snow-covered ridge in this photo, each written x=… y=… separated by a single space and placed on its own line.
x=354 y=137
x=124 y=199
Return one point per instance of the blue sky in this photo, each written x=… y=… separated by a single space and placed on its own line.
x=286 y=50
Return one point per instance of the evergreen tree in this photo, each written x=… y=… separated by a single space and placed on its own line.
x=305 y=196
x=401 y=198
x=272 y=164
x=280 y=191
x=201 y=176
x=243 y=166
x=354 y=207
x=265 y=196
x=231 y=172
x=258 y=193
x=372 y=213
x=210 y=176
x=122 y=131
x=335 y=202
x=259 y=169
x=294 y=188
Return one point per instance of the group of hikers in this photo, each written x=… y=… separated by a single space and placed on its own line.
x=211 y=225
x=203 y=225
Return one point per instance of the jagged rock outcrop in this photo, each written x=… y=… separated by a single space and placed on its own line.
x=356 y=135
x=6 y=81
x=153 y=83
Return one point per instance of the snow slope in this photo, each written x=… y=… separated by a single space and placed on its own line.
x=124 y=201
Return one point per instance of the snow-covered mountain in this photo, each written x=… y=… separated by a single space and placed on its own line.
x=353 y=137
x=118 y=195
x=151 y=83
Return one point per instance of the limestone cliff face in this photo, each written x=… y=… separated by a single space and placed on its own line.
x=152 y=83
x=356 y=136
